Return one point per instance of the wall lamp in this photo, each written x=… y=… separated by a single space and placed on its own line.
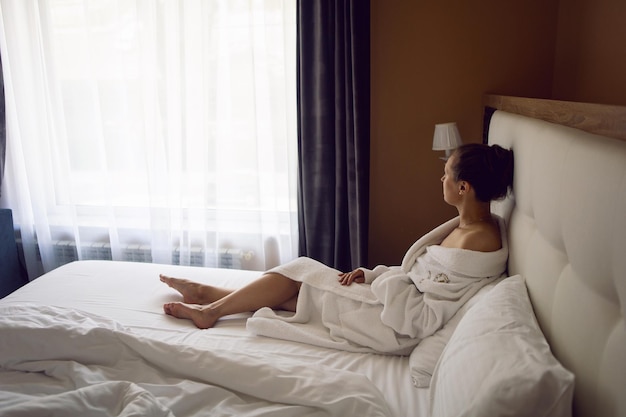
x=447 y=138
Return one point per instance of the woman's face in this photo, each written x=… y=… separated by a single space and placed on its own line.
x=450 y=185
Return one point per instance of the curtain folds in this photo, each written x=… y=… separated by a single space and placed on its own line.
x=152 y=131
x=333 y=130
x=3 y=129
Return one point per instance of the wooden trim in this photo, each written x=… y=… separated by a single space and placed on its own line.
x=601 y=119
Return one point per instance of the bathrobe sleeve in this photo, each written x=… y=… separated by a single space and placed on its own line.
x=372 y=274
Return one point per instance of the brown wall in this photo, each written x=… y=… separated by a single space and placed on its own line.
x=432 y=62
x=590 y=62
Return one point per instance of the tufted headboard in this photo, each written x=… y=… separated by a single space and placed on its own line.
x=567 y=231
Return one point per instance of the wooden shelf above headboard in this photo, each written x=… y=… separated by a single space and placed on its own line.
x=601 y=119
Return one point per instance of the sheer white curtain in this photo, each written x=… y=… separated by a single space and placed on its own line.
x=161 y=131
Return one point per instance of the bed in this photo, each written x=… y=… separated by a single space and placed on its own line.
x=90 y=338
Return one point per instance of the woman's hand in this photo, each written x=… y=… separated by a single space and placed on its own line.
x=347 y=278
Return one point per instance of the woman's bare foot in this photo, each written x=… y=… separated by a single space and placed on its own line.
x=193 y=292
x=202 y=316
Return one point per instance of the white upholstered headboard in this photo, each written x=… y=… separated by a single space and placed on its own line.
x=567 y=233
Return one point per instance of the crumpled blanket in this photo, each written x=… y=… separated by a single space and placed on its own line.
x=397 y=306
x=56 y=361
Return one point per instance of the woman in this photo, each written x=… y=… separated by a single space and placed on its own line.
x=399 y=305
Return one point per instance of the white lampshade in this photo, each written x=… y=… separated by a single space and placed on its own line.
x=447 y=137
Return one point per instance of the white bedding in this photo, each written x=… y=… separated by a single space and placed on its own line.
x=116 y=371
x=126 y=299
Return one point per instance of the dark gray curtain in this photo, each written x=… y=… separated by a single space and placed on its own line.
x=333 y=130
x=3 y=128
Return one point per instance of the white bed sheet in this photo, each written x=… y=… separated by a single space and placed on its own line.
x=131 y=294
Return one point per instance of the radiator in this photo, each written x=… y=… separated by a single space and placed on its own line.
x=65 y=251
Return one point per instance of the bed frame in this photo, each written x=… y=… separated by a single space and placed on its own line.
x=567 y=229
x=599 y=119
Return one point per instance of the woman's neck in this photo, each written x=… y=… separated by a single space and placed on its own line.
x=479 y=213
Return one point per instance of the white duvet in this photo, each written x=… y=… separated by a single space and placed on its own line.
x=59 y=361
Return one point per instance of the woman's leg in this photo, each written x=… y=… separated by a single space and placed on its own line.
x=271 y=290
x=194 y=292
x=197 y=293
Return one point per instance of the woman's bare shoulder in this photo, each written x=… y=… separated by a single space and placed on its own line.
x=480 y=238
x=482 y=241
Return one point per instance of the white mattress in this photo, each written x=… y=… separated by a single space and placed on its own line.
x=131 y=294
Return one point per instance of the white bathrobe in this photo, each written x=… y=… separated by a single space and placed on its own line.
x=397 y=306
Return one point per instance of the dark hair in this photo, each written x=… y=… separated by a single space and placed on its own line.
x=489 y=169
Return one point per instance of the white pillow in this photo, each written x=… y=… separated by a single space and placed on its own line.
x=425 y=355
x=498 y=363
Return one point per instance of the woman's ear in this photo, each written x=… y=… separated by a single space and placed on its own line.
x=464 y=187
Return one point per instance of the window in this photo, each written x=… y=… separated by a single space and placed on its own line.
x=167 y=124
